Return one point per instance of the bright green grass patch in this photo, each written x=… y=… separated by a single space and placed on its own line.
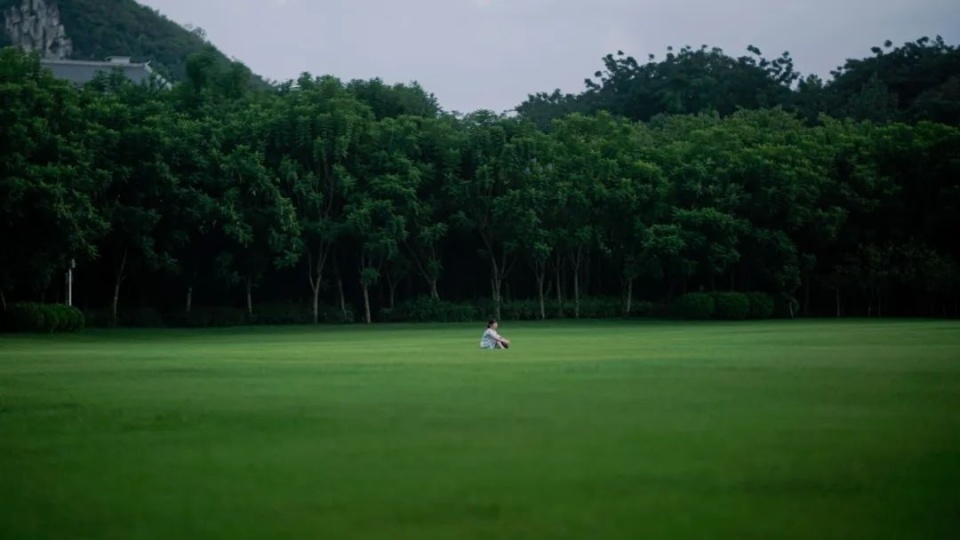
x=780 y=429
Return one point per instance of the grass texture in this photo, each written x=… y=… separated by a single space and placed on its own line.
x=781 y=429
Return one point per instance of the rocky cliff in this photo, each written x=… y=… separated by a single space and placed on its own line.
x=35 y=25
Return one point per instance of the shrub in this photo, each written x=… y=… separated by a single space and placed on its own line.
x=521 y=310
x=35 y=317
x=730 y=306
x=51 y=318
x=647 y=309
x=693 y=306
x=761 y=305
x=600 y=307
x=526 y=310
x=426 y=309
x=69 y=318
x=591 y=307
x=333 y=314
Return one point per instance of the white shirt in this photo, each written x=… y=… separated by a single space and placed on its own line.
x=490 y=339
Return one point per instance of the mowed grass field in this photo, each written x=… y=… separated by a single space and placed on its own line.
x=782 y=429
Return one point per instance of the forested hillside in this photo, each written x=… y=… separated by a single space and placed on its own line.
x=325 y=200
x=102 y=28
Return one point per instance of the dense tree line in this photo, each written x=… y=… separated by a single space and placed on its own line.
x=319 y=199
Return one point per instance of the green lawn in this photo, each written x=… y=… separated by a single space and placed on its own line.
x=581 y=430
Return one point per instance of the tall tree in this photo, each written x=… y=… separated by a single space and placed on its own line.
x=129 y=125
x=313 y=139
x=490 y=168
x=47 y=178
x=386 y=183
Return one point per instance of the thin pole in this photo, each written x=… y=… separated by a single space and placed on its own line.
x=70 y=283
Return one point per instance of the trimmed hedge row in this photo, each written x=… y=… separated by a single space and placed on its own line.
x=732 y=306
x=211 y=317
x=423 y=309
x=36 y=317
x=427 y=309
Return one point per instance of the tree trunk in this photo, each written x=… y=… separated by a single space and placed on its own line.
x=806 y=296
x=316 y=301
x=495 y=285
x=189 y=303
x=116 y=301
x=559 y=286
x=576 y=294
x=343 y=300
x=576 y=282
x=669 y=283
x=629 y=306
x=314 y=273
x=249 y=298
x=837 y=299
x=392 y=286
x=366 y=302
x=116 y=285
x=587 y=276
x=541 y=275
x=3 y=301
x=428 y=276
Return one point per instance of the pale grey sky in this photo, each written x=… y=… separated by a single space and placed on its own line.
x=490 y=54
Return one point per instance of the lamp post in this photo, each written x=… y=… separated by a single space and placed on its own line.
x=70 y=282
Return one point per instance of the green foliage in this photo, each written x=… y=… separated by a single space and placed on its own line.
x=426 y=309
x=527 y=310
x=694 y=305
x=730 y=306
x=761 y=305
x=37 y=317
x=600 y=307
x=350 y=198
x=590 y=308
x=915 y=81
x=684 y=82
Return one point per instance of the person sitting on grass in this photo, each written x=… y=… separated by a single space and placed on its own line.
x=491 y=339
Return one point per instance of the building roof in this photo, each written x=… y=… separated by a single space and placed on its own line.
x=84 y=71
